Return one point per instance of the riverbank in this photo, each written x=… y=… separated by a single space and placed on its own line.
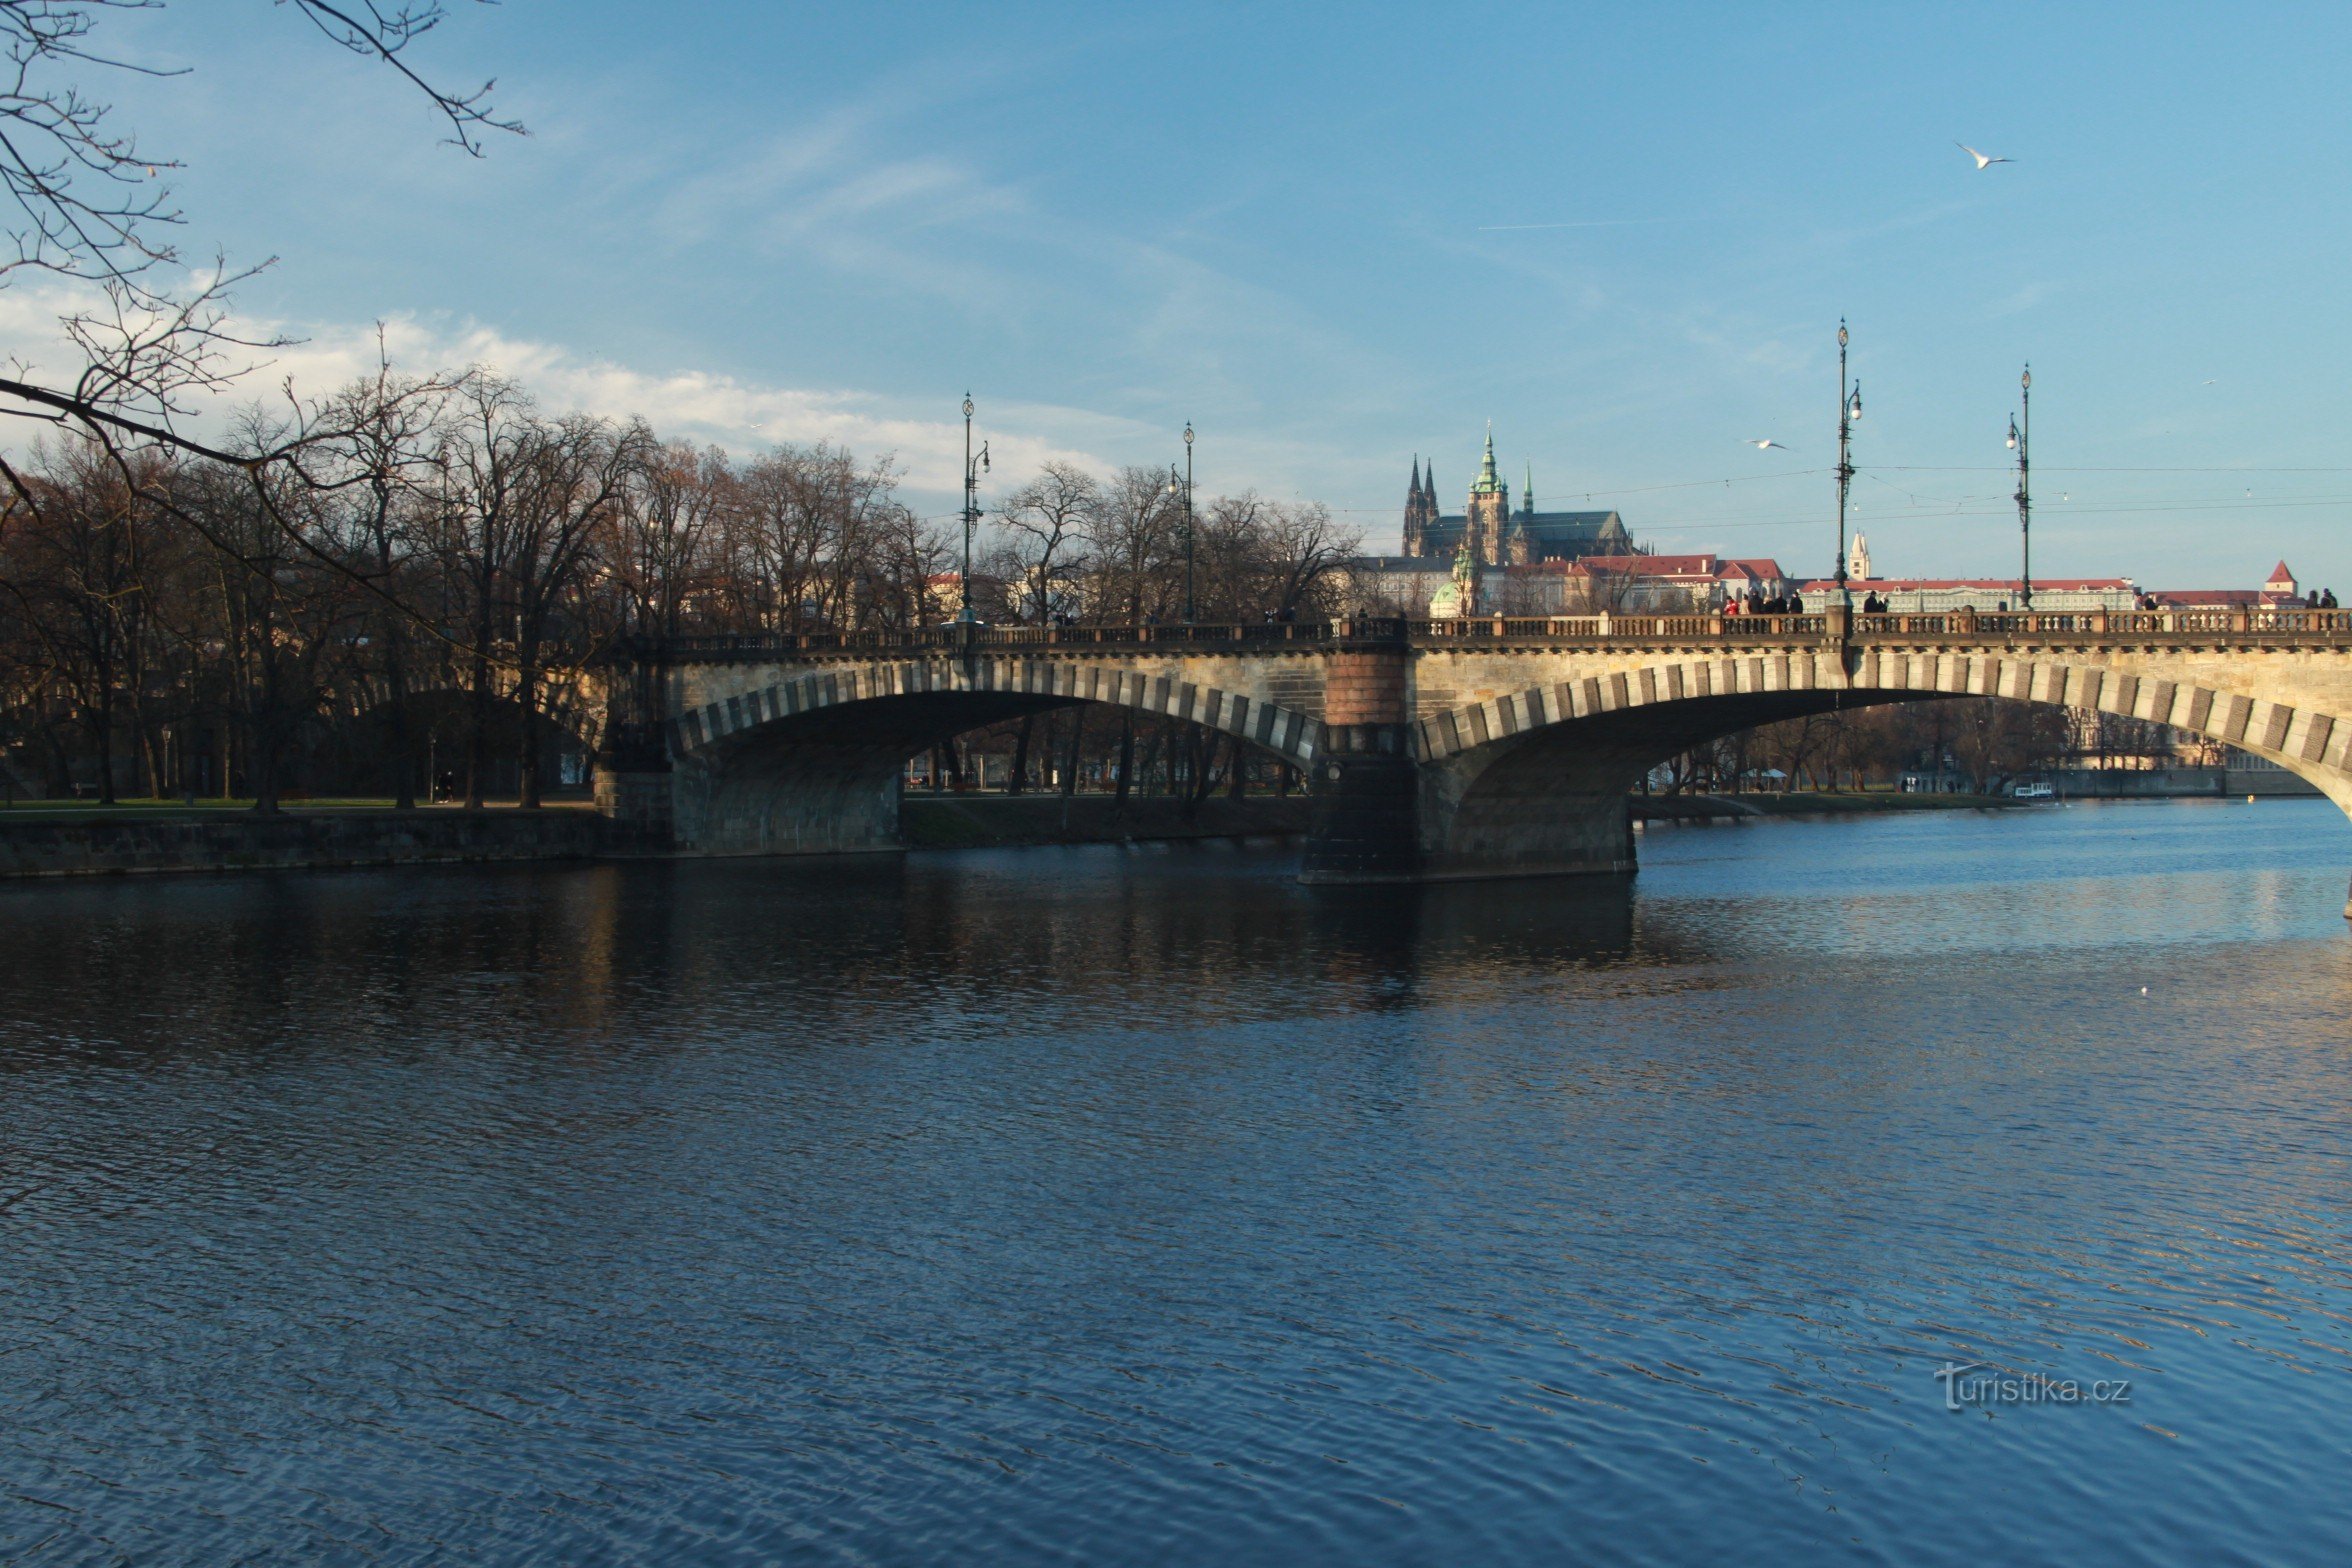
x=999 y=821
x=69 y=840
x=85 y=841
x=65 y=843
x=1806 y=803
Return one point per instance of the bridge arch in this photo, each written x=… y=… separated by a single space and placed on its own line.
x=2313 y=744
x=1537 y=776
x=572 y=704
x=811 y=762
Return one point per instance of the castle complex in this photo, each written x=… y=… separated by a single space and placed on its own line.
x=1499 y=536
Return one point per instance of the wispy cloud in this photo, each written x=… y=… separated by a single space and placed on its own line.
x=2020 y=301
x=695 y=404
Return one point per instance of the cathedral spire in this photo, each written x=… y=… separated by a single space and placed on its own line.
x=1487 y=483
x=1527 y=496
x=1420 y=512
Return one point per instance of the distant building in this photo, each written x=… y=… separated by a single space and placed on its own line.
x=1945 y=595
x=1858 y=558
x=2280 y=592
x=1499 y=536
x=1503 y=543
x=1678 y=584
x=1623 y=584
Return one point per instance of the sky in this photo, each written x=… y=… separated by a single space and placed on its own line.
x=1337 y=238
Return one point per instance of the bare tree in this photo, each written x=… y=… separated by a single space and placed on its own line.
x=1046 y=523
x=95 y=207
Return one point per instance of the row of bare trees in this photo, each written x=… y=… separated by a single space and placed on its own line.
x=441 y=553
x=1980 y=741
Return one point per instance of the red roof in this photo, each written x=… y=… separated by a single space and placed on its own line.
x=2193 y=598
x=2280 y=574
x=1652 y=565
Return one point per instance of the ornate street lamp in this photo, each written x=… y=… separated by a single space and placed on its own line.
x=1849 y=414
x=2020 y=438
x=972 y=473
x=1183 y=487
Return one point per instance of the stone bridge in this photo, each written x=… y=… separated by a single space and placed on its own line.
x=1434 y=749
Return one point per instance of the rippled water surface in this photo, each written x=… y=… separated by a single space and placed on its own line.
x=1101 y=1205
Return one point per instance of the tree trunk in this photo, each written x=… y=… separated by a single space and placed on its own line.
x=1126 y=762
x=1070 y=765
x=102 y=733
x=478 y=735
x=527 y=754
x=1020 y=776
x=403 y=758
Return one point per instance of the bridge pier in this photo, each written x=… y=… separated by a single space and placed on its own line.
x=1365 y=785
x=1383 y=815
x=635 y=783
x=1522 y=815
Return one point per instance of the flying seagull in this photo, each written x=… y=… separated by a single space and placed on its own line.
x=1763 y=446
x=1982 y=162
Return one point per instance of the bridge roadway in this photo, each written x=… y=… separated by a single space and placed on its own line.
x=1434 y=749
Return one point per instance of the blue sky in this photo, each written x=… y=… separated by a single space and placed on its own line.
x=1334 y=237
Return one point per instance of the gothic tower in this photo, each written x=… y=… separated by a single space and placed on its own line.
x=1420 y=511
x=1488 y=512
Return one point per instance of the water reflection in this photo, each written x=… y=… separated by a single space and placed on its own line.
x=1049 y=1206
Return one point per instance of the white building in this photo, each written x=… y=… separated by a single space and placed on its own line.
x=1948 y=595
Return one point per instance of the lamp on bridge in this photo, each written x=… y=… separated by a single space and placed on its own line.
x=2019 y=439
x=964 y=615
x=1183 y=487
x=1849 y=415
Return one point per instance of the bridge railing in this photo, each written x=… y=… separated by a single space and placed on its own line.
x=1730 y=630
x=2335 y=624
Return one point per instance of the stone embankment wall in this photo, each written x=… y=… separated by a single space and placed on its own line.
x=35 y=846
x=2171 y=783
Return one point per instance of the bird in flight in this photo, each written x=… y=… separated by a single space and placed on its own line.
x=1764 y=446
x=1982 y=162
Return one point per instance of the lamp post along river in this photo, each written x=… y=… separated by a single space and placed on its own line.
x=2020 y=439
x=1849 y=413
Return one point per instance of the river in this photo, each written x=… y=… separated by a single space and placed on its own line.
x=1138 y=1205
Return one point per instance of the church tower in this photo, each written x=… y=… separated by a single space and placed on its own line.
x=1420 y=511
x=1488 y=513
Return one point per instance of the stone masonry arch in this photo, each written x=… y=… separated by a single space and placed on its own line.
x=2313 y=744
x=576 y=703
x=1535 y=779
x=809 y=761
